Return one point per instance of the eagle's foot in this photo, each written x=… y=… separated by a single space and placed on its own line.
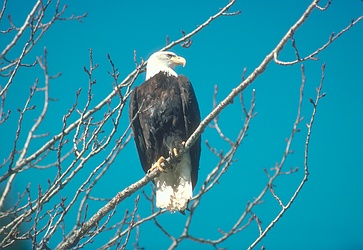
x=157 y=165
x=174 y=155
x=175 y=152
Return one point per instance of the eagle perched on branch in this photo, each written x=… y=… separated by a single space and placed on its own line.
x=164 y=112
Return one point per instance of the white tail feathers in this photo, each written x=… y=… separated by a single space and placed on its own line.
x=174 y=187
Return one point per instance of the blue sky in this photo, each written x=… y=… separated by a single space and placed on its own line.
x=327 y=214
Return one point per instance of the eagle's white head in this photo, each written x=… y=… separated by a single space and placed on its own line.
x=163 y=61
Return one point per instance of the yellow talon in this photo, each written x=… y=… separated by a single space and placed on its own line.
x=157 y=165
x=175 y=152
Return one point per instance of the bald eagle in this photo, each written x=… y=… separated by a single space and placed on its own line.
x=164 y=112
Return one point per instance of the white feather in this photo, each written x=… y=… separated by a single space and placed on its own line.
x=174 y=187
x=163 y=61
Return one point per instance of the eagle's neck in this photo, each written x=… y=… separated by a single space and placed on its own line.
x=153 y=70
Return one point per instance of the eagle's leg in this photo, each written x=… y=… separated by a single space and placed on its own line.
x=157 y=165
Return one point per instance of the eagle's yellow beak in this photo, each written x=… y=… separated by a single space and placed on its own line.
x=178 y=60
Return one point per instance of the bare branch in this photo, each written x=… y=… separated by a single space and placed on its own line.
x=284 y=208
x=313 y=55
x=21 y=31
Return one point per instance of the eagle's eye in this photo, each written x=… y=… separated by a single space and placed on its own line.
x=169 y=55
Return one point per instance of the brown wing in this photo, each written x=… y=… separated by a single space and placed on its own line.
x=192 y=120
